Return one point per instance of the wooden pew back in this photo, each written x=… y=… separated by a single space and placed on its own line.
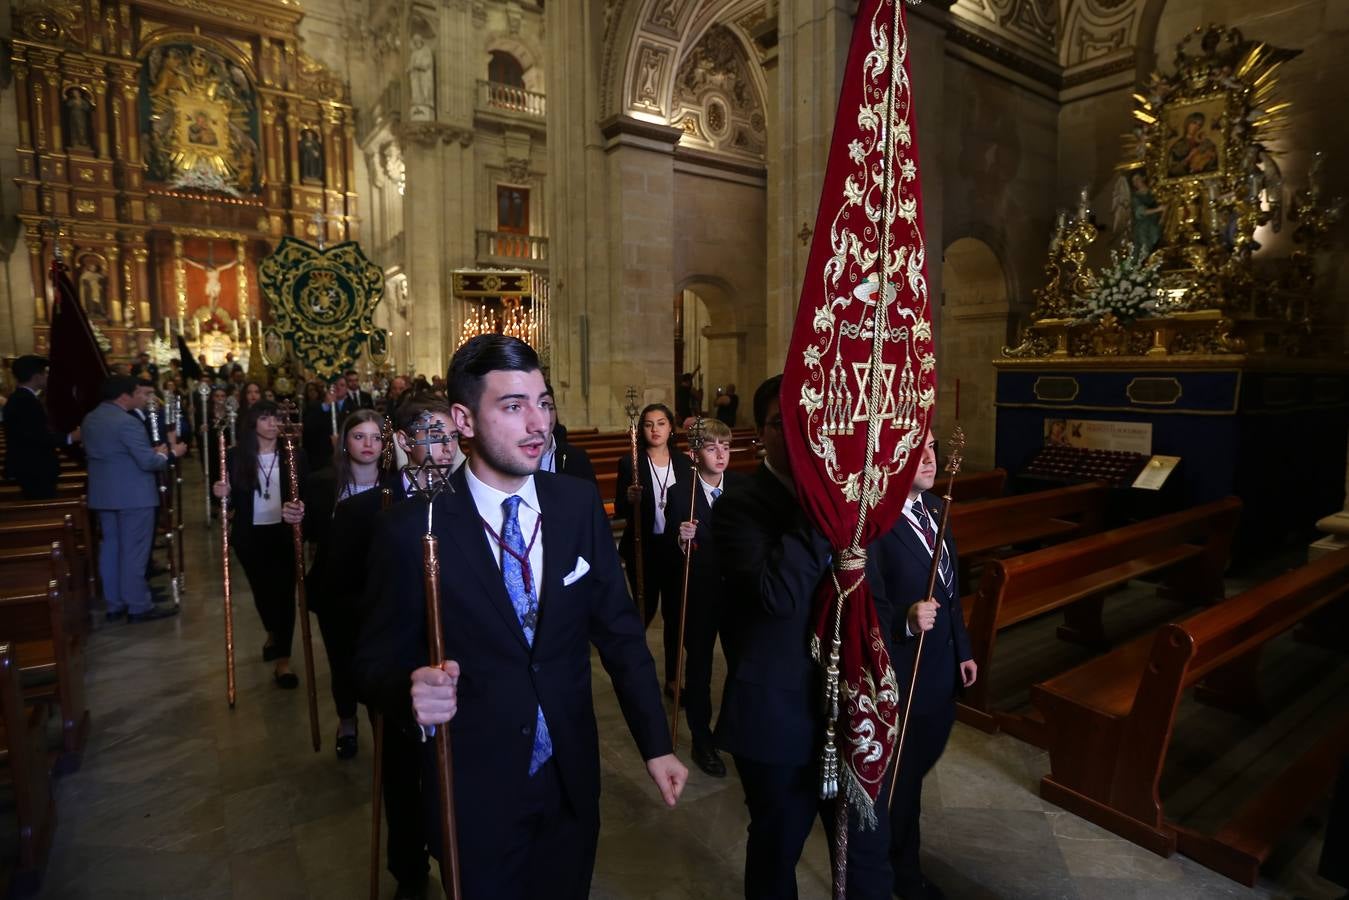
x=985 y=525
x=24 y=754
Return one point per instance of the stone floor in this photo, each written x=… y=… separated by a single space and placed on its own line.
x=180 y=797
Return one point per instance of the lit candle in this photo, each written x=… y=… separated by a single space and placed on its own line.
x=234 y=329
x=181 y=329
x=196 y=328
x=168 y=335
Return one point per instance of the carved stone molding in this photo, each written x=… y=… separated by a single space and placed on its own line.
x=716 y=102
x=429 y=133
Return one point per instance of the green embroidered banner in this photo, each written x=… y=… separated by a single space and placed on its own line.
x=323 y=301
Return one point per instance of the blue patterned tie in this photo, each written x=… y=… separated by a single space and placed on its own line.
x=931 y=538
x=526 y=602
x=716 y=494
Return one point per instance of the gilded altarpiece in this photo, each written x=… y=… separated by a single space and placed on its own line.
x=165 y=146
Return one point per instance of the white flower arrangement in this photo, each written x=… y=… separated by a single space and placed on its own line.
x=162 y=352
x=100 y=338
x=1127 y=288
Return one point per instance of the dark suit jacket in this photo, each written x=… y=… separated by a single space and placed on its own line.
x=705 y=581
x=338 y=573
x=772 y=561
x=905 y=563
x=318 y=436
x=30 y=445
x=683 y=470
x=504 y=680
x=574 y=461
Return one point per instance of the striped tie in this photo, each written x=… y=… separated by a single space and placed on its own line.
x=930 y=536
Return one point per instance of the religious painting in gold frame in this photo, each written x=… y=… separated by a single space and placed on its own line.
x=275 y=348
x=1196 y=139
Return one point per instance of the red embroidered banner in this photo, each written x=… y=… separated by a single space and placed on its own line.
x=859 y=383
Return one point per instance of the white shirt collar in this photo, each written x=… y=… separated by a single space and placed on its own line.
x=488 y=499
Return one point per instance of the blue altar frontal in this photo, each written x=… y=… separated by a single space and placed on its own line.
x=1273 y=432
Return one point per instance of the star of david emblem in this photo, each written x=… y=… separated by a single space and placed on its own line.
x=862 y=371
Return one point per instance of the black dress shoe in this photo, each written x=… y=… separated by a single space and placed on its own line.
x=706 y=758
x=287 y=681
x=347 y=745
x=155 y=612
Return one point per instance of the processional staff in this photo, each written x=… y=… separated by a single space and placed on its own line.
x=428 y=481
x=290 y=432
x=377 y=776
x=203 y=399
x=225 y=425
x=173 y=412
x=639 y=593
x=696 y=435
x=157 y=437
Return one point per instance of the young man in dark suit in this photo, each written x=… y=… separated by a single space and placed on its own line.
x=772 y=560
x=536 y=582
x=30 y=444
x=947 y=665
x=560 y=457
x=705 y=594
x=356 y=398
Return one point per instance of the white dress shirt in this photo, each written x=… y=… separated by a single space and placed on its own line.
x=489 y=502
x=662 y=479
x=267 y=510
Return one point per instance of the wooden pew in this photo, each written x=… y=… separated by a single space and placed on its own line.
x=1109 y=722
x=37 y=537
x=23 y=753
x=1190 y=548
x=982 y=526
x=66 y=489
x=30 y=511
x=48 y=633
x=979 y=485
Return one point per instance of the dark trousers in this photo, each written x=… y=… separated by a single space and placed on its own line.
x=536 y=845
x=661 y=582
x=700 y=641
x=267 y=554
x=340 y=629
x=783 y=802
x=401 y=781
x=923 y=746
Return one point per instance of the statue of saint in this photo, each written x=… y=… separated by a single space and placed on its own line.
x=79 y=119
x=422 y=76
x=1147 y=216
x=91 y=289
x=311 y=156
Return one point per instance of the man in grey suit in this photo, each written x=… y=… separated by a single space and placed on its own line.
x=122 y=490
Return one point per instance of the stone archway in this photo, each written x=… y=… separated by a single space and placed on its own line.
x=974 y=318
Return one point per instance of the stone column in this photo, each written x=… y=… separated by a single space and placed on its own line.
x=631 y=343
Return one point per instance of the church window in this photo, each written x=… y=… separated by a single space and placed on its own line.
x=505 y=69
x=512 y=209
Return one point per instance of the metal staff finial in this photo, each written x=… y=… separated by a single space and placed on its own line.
x=956 y=451
x=386 y=440
x=631 y=408
x=697 y=434
x=429 y=478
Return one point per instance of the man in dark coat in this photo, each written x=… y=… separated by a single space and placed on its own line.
x=30 y=444
x=771 y=718
x=904 y=554
x=520 y=615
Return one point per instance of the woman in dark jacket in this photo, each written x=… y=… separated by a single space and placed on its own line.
x=261 y=522
x=660 y=469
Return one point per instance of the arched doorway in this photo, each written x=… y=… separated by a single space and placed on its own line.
x=972 y=333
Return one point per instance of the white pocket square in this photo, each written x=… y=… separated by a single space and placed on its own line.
x=577 y=573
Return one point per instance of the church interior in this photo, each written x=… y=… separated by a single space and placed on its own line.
x=1133 y=214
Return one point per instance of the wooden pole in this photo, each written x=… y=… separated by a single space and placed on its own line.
x=306 y=640
x=695 y=444
x=636 y=525
x=449 y=837
x=225 y=565
x=377 y=777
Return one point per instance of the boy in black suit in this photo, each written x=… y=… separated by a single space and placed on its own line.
x=705 y=601
x=536 y=582
x=947 y=665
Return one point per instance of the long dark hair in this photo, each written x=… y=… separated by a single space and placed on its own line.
x=341 y=461
x=245 y=469
x=669 y=417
